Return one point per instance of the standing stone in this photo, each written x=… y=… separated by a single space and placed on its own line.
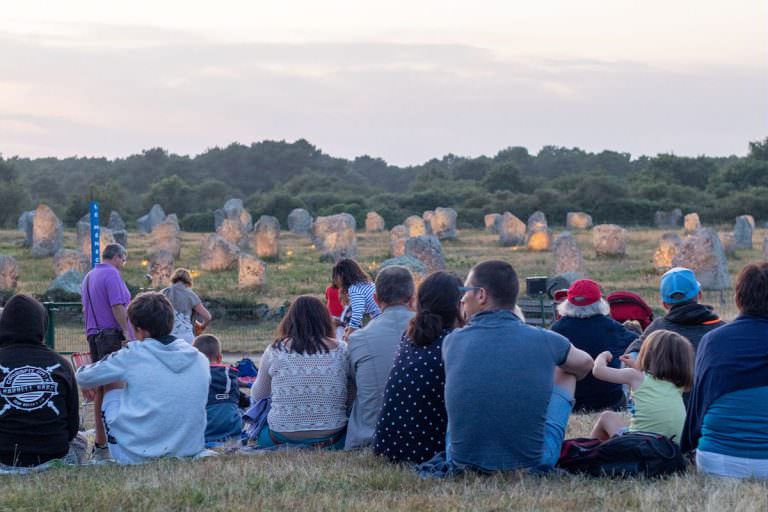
x=374 y=223
x=47 y=232
x=415 y=226
x=265 y=239
x=539 y=241
x=427 y=216
x=121 y=237
x=669 y=246
x=416 y=267
x=84 y=240
x=146 y=223
x=568 y=256
x=251 y=271
x=217 y=254
x=428 y=250
x=691 y=223
x=537 y=222
x=668 y=220
x=66 y=287
x=26 y=224
x=67 y=259
x=334 y=236
x=234 y=209
x=9 y=273
x=609 y=240
x=233 y=231
x=702 y=253
x=578 y=220
x=397 y=237
x=742 y=231
x=491 y=220
x=443 y=223
x=165 y=237
x=511 y=230
x=161 y=268
x=116 y=222
x=300 y=222
x=728 y=241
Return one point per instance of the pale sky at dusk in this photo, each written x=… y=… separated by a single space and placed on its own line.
x=405 y=81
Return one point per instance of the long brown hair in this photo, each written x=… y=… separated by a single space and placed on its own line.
x=438 y=307
x=306 y=325
x=668 y=356
x=752 y=289
x=345 y=273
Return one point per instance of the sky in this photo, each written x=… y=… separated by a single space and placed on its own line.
x=402 y=80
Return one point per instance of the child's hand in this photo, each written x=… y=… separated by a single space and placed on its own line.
x=604 y=358
x=629 y=361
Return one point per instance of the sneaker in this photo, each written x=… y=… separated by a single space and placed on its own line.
x=100 y=454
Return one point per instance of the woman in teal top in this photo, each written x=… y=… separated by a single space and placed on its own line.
x=657 y=379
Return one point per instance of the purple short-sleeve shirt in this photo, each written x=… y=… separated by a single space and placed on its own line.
x=105 y=289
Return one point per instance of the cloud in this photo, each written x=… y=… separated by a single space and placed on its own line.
x=404 y=102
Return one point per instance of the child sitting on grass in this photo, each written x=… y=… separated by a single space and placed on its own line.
x=224 y=421
x=657 y=379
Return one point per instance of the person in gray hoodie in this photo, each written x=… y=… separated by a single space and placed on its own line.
x=161 y=409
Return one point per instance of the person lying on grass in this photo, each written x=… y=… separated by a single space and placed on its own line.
x=656 y=380
x=161 y=410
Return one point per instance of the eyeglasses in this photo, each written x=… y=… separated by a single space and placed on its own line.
x=465 y=289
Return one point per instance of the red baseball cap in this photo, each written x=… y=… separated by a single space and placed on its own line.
x=584 y=292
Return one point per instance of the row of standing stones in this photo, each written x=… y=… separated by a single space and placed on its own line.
x=416 y=243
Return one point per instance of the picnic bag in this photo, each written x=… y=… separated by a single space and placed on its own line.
x=631 y=454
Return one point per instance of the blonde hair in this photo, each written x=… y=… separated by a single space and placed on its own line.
x=668 y=356
x=182 y=275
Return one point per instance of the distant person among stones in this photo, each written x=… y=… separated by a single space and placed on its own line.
x=39 y=398
x=190 y=315
x=372 y=352
x=680 y=294
x=508 y=386
x=161 y=411
x=356 y=291
x=105 y=299
x=223 y=415
x=727 y=422
x=585 y=321
x=413 y=430
x=656 y=380
x=306 y=372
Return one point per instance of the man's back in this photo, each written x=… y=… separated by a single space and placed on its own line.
x=498 y=384
x=372 y=351
x=101 y=289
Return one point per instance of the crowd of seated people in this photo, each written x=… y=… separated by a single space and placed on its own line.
x=446 y=375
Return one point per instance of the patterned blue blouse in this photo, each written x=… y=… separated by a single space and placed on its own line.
x=412 y=423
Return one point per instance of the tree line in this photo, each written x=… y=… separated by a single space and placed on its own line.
x=273 y=177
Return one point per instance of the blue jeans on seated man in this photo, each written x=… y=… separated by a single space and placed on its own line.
x=558 y=413
x=266 y=440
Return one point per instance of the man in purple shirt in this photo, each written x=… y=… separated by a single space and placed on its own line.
x=105 y=301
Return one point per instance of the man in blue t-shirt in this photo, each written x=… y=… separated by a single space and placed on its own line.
x=508 y=386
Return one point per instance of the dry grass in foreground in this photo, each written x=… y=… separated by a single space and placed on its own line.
x=314 y=480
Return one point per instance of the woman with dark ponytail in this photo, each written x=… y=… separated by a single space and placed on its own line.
x=412 y=423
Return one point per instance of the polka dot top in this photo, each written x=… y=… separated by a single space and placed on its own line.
x=412 y=423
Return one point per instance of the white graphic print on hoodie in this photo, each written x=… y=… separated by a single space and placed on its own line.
x=162 y=410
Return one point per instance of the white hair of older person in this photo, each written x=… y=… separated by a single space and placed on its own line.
x=566 y=308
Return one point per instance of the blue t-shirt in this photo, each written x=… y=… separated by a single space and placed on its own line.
x=498 y=383
x=736 y=424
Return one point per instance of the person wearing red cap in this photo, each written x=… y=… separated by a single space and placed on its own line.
x=585 y=321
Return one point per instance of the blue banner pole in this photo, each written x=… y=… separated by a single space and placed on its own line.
x=95 y=233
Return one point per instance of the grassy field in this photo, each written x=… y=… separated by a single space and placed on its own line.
x=299 y=271
x=359 y=481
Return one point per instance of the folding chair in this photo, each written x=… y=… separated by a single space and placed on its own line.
x=89 y=395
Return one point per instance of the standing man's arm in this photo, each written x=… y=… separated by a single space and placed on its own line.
x=121 y=315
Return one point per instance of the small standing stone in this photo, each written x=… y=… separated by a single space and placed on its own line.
x=428 y=250
x=67 y=259
x=491 y=221
x=443 y=223
x=217 y=254
x=539 y=241
x=397 y=237
x=9 y=273
x=669 y=245
x=668 y=220
x=702 y=253
x=578 y=220
x=47 y=232
x=415 y=226
x=300 y=222
x=728 y=241
x=511 y=230
x=161 y=268
x=427 y=216
x=416 y=267
x=334 y=236
x=374 y=223
x=252 y=272
x=265 y=239
x=26 y=224
x=691 y=223
x=84 y=242
x=66 y=287
x=165 y=237
x=234 y=209
x=233 y=231
x=609 y=240
x=537 y=222
x=116 y=222
x=568 y=256
x=146 y=223
x=742 y=231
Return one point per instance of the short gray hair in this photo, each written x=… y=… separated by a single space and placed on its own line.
x=394 y=285
x=601 y=307
x=113 y=250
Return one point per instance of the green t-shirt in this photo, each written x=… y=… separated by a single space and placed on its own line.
x=659 y=408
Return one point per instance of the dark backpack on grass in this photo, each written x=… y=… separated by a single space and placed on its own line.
x=632 y=454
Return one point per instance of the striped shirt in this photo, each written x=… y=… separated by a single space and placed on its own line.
x=361 y=302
